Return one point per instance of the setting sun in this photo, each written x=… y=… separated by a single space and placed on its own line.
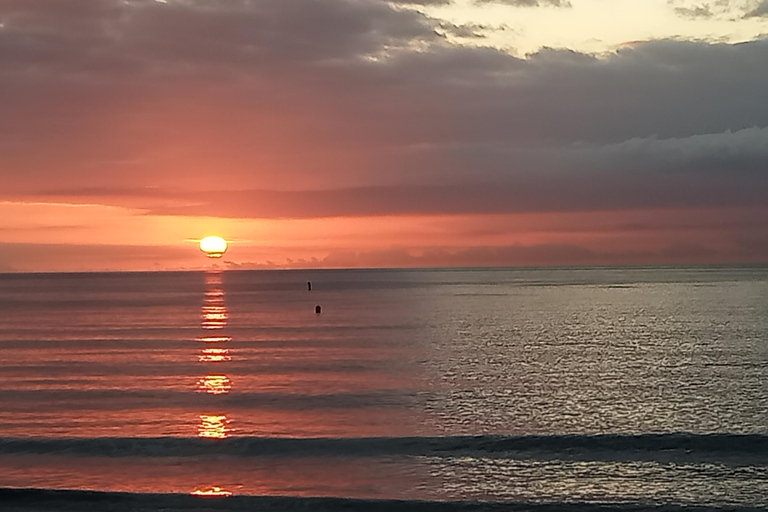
x=213 y=246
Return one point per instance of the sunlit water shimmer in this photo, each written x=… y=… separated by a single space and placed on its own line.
x=600 y=388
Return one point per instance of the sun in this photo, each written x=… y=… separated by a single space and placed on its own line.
x=213 y=246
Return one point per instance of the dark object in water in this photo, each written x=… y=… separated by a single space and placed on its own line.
x=318 y=309
x=309 y=285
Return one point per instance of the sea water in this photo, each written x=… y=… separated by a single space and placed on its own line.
x=511 y=388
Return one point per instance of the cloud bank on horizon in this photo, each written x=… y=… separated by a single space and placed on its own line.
x=373 y=133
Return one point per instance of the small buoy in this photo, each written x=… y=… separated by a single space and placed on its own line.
x=318 y=309
x=309 y=285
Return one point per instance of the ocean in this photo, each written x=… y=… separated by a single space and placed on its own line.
x=448 y=389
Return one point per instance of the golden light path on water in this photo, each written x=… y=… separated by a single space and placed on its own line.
x=214 y=317
x=214 y=426
x=215 y=384
x=211 y=491
x=214 y=339
x=214 y=355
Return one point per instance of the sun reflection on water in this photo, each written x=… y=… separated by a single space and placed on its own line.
x=214 y=339
x=213 y=278
x=211 y=491
x=214 y=294
x=214 y=355
x=214 y=316
x=214 y=384
x=214 y=426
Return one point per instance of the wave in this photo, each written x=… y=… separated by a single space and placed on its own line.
x=18 y=500
x=671 y=447
x=25 y=400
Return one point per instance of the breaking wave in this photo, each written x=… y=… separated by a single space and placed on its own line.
x=747 y=448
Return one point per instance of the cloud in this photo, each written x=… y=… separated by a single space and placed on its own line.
x=178 y=37
x=697 y=11
x=760 y=11
x=465 y=30
x=743 y=151
x=419 y=2
x=339 y=107
x=634 y=174
x=719 y=9
x=724 y=169
x=528 y=3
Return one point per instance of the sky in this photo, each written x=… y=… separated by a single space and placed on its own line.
x=367 y=133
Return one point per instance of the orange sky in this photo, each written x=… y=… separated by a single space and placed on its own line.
x=65 y=237
x=331 y=134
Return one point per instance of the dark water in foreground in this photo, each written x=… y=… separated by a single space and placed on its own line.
x=524 y=389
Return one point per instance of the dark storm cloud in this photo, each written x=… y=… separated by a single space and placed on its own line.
x=364 y=108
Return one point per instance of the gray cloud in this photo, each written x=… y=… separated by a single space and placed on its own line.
x=720 y=9
x=718 y=153
x=697 y=11
x=528 y=3
x=419 y=2
x=92 y=36
x=466 y=30
x=713 y=170
x=760 y=11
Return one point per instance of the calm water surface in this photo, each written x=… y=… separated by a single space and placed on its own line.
x=601 y=385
